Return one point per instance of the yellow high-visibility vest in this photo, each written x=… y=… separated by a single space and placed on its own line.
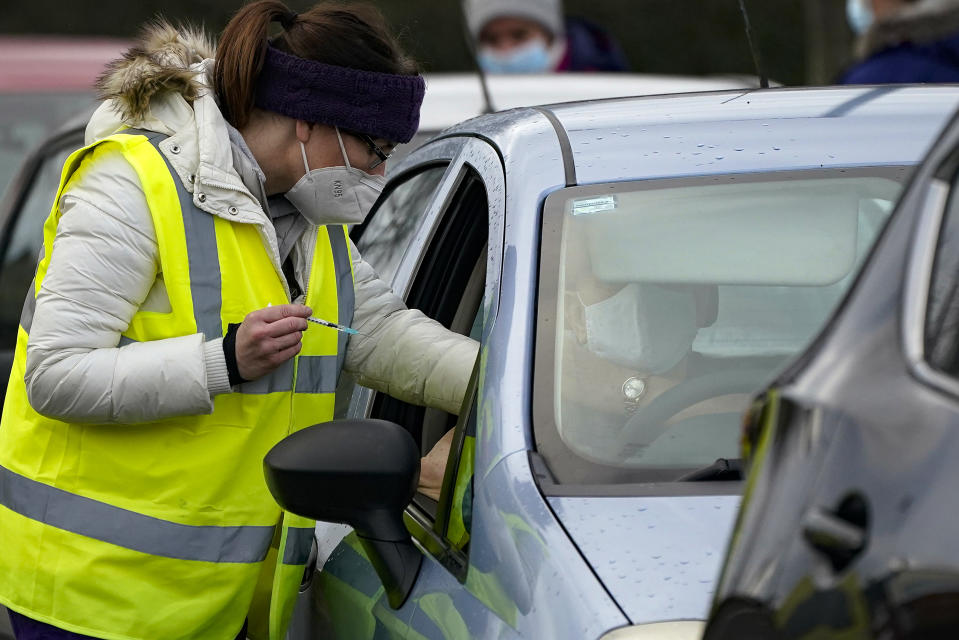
x=161 y=530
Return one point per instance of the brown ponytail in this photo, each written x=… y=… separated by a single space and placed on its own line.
x=354 y=36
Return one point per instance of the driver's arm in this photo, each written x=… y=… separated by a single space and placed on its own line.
x=402 y=352
x=433 y=466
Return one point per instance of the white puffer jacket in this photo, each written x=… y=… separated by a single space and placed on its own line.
x=104 y=267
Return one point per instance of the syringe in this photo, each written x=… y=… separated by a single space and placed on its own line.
x=333 y=325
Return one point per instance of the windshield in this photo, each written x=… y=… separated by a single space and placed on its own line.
x=664 y=304
x=27 y=118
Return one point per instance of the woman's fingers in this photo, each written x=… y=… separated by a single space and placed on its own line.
x=282 y=319
x=286 y=341
x=289 y=352
x=280 y=311
x=433 y=467
x=269 y=337
x=286 y=326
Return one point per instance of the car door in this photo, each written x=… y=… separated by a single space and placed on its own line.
x=845 y=530
x=438 y=252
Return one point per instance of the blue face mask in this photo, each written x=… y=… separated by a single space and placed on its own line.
x=859 y=14
x=532 y=57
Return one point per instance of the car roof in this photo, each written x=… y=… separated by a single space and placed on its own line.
x=454 y=97
x=51 y=63
x=739 y=131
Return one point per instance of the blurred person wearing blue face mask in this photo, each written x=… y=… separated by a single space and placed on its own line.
x=517 y=45
x=904 y=41
x=860 y=16
x=532 y=36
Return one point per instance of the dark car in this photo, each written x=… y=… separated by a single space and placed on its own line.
x=849 y=528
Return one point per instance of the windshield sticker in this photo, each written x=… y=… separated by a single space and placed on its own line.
x=594 y=205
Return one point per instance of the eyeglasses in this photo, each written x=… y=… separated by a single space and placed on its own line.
x=381 y=156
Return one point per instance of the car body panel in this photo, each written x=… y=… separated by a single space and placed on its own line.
x=453 y=97
x=728 y=132
x=537 y=158
x=658 y=556
x=524 y=569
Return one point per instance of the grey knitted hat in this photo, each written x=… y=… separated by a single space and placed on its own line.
x=548 y=13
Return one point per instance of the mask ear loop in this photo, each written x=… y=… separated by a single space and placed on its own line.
x=339 y=139
x=306 y=165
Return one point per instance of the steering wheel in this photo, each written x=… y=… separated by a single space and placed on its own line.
x=650 y=422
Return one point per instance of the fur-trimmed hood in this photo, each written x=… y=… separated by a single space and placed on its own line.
x=159 y=62
x=925 y=22
x=161 y=85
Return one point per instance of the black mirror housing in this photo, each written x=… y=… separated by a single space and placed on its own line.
x=357 y=472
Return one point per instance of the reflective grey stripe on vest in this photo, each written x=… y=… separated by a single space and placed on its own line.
x=280 y=380
x=205 y=284
x=345 y=295
x=299 y=542
x=29 y=307
x=128 y=529
x=319 y=374
x=30 y=303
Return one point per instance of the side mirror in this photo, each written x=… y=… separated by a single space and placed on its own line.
x=357 y=472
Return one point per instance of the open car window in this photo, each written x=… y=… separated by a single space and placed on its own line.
x=449 y=287
x=384 y=239
x=443 y=273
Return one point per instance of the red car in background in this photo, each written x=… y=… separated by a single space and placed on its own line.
x=43 y=81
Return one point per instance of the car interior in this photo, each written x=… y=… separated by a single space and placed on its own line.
x=674 y=304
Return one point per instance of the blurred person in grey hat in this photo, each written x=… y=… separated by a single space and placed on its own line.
x=533 y=36
x=904 y=41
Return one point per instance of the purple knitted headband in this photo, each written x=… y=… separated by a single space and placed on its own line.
x=382 y=105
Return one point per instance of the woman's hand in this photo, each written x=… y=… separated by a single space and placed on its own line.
x=433 y=466
x=269 y=337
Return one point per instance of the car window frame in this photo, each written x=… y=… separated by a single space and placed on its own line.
x=430 y=534
x=430 y=530
x=478 y=157
x=352 y=399
x=938 y=192
x=358 y=231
